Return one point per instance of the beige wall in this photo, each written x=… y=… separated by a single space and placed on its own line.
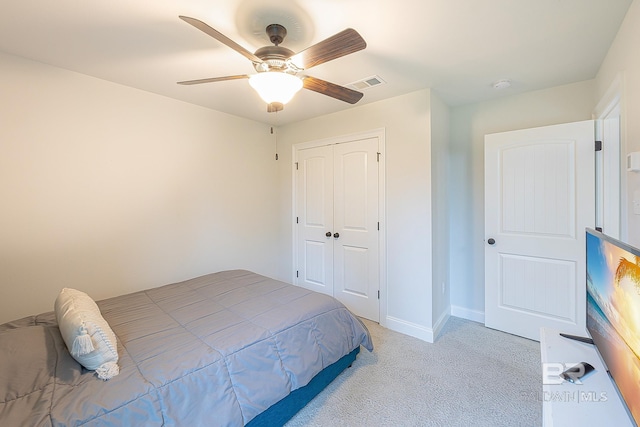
x=623 y=64
x=469 y=125
x=440 y=117
x=406 y=120
x=110 y=189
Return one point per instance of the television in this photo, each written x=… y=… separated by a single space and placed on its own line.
x=613 y=312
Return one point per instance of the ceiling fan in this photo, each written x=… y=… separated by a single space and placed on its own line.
x=276 y=65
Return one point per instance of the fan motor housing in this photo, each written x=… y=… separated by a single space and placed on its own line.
x=274 y=56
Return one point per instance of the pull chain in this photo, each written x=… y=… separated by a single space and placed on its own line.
x=276 y=135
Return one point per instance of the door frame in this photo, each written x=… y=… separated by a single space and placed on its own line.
x=611 y=197
x=378 y=133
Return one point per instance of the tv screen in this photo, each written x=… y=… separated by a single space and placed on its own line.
x=613 y=312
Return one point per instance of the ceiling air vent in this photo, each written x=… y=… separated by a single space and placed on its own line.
x=366 y=83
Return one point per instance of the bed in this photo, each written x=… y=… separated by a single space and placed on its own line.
x=230 y=348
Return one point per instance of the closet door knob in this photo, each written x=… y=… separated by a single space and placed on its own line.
x=491 y=241
x=336 y=235
x=328 y=234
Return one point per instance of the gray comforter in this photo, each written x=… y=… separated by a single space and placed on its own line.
x=215 y=350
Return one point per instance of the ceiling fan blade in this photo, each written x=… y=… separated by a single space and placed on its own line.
x=331 y=89
x=341 y=44
x=213 y=79
x=221 y=38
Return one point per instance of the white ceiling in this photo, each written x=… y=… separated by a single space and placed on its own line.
x=456 y=47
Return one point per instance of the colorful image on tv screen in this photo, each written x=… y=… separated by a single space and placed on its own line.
x=613 y=313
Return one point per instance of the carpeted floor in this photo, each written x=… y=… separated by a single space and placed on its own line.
x=471 y=376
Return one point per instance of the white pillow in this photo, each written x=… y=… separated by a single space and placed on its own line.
x=87 y=335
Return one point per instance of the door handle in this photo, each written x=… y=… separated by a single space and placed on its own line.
x=491 y=241
x=336 y=235
x=328 y=234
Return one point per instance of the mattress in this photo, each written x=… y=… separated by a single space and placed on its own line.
x=215 y=350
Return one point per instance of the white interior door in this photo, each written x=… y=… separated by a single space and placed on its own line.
x=315 y=219
x=355 y=256
x=337 y=229
x=539 y=197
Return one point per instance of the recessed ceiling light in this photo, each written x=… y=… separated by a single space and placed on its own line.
x=502 y=84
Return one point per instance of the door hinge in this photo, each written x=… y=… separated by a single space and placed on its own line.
x=598 y=145
x=378 y=225
x=296 y=165
x=378 y=157
x=378 y=294
x=296 y=220
x=297 y=273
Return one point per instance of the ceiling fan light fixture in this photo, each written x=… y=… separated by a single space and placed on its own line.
x=275 y=86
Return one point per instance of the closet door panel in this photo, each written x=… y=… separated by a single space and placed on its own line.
x=315 y=219
x=355 y=257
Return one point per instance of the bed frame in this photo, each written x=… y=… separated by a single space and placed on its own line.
x=285 y=409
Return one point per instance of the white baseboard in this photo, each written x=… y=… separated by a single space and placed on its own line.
x=465 y=313
x=442 y=320
x=409 y=328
